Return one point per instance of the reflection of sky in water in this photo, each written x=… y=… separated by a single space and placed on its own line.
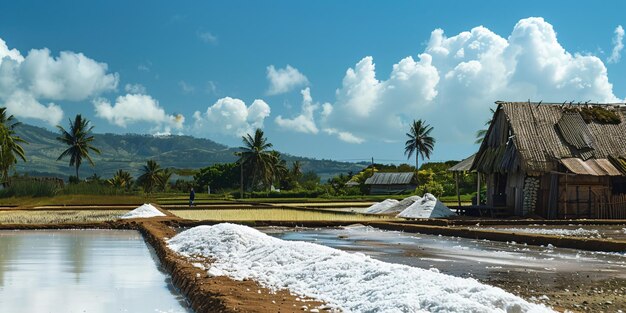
x=460 y=256
x=81 y=271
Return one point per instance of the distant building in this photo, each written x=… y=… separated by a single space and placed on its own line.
x=556 y=160
x=391 y=183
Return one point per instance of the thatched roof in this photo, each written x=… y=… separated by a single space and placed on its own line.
x=390 y=179
x=464 y=165
x=537 y=137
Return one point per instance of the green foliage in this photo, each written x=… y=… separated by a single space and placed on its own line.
x=151 y=178
x=258 y=161
x=10 y=144
x=79 y=141
x=91 y=188
x=420 y=141
x=597 y=114
x=309 y=180
x=219 y=176
x=122 y=179
x=30 y=188
x=431 y=187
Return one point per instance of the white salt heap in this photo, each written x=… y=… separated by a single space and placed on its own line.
x=144 y=211
x=345 y=281
x=400 y=206
x=381 y=206
x=427 y=207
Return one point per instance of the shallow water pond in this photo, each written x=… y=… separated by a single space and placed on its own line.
x=481 y=259
x=82 y=271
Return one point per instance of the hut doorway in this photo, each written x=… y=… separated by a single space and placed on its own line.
x=499 y=194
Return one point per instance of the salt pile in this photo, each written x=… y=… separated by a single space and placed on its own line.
x=345 y=281
x=144 y=211
x=427 y=207
x=381 y=206
x=580 y=232
x=405 y=203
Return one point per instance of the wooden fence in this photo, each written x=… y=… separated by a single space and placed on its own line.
x=613 y=209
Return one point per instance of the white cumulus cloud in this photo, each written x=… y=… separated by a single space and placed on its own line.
x=232 y=117
x=135 y=88
x=618 y=45
x=305 y=121
x=26 y=81
x=283 y=80
x=134 y=108
x=455 y=80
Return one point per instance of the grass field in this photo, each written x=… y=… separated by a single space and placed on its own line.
x=58 y=216
x=273 y=214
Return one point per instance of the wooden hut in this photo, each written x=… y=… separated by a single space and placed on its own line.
x=556 y=160
x=391 y=183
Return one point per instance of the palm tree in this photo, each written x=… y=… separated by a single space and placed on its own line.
x=121 y=179
x=165 y=176
x=278 y=167
x=420 y=142
x=10 y=148
x=480 y=134
x=254 y=155
x=79 y=140
x=296 y=170
x=151 y=176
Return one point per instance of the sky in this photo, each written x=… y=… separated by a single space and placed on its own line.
x=337 y=80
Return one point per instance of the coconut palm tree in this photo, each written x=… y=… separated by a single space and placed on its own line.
x=121 y=179
x=278 y=166
x=79 y=141
x=10 y=144
x=165 y=176
x=151 y=176
x=256 y=158
x=480 y=134
x=420 y=142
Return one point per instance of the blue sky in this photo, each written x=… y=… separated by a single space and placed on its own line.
x=165 y=59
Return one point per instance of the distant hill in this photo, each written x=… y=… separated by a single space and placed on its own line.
x=131 y=151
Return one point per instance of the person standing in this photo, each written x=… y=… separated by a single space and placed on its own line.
x=192 y=197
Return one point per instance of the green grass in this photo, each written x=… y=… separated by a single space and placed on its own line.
x=59 y=216
x=274 y=215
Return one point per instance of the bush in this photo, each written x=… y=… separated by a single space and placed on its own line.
x=30 y=188
x=92 y=188
x=432 y=187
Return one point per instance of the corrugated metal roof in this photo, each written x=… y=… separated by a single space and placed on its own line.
x=575 y=132
x=594 y=167
x=464 y=165
x=390 y=179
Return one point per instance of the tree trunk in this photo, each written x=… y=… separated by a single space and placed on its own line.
x=417 y=169
x=77 y=179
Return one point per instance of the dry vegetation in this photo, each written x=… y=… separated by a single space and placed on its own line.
x=58 y=216
x=273 y=214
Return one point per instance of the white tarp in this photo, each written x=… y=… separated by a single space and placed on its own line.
x=427 y=207
x=381 y=206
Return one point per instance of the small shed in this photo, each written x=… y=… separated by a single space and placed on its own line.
x=391 y=183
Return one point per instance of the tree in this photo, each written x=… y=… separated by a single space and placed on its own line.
x=480 y=134
x=420 y=142
x=278 y=167
x=151 y=176
x=164 y=178
x=79 y=141
x=121 y=179
x=256 y=158
x=10 y=144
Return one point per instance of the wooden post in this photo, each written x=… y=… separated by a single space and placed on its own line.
x=478 y=189
x=458 y=192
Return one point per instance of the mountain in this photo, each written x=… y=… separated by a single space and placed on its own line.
x=131 y=151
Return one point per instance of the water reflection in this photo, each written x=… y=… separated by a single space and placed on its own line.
x=82 y=271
